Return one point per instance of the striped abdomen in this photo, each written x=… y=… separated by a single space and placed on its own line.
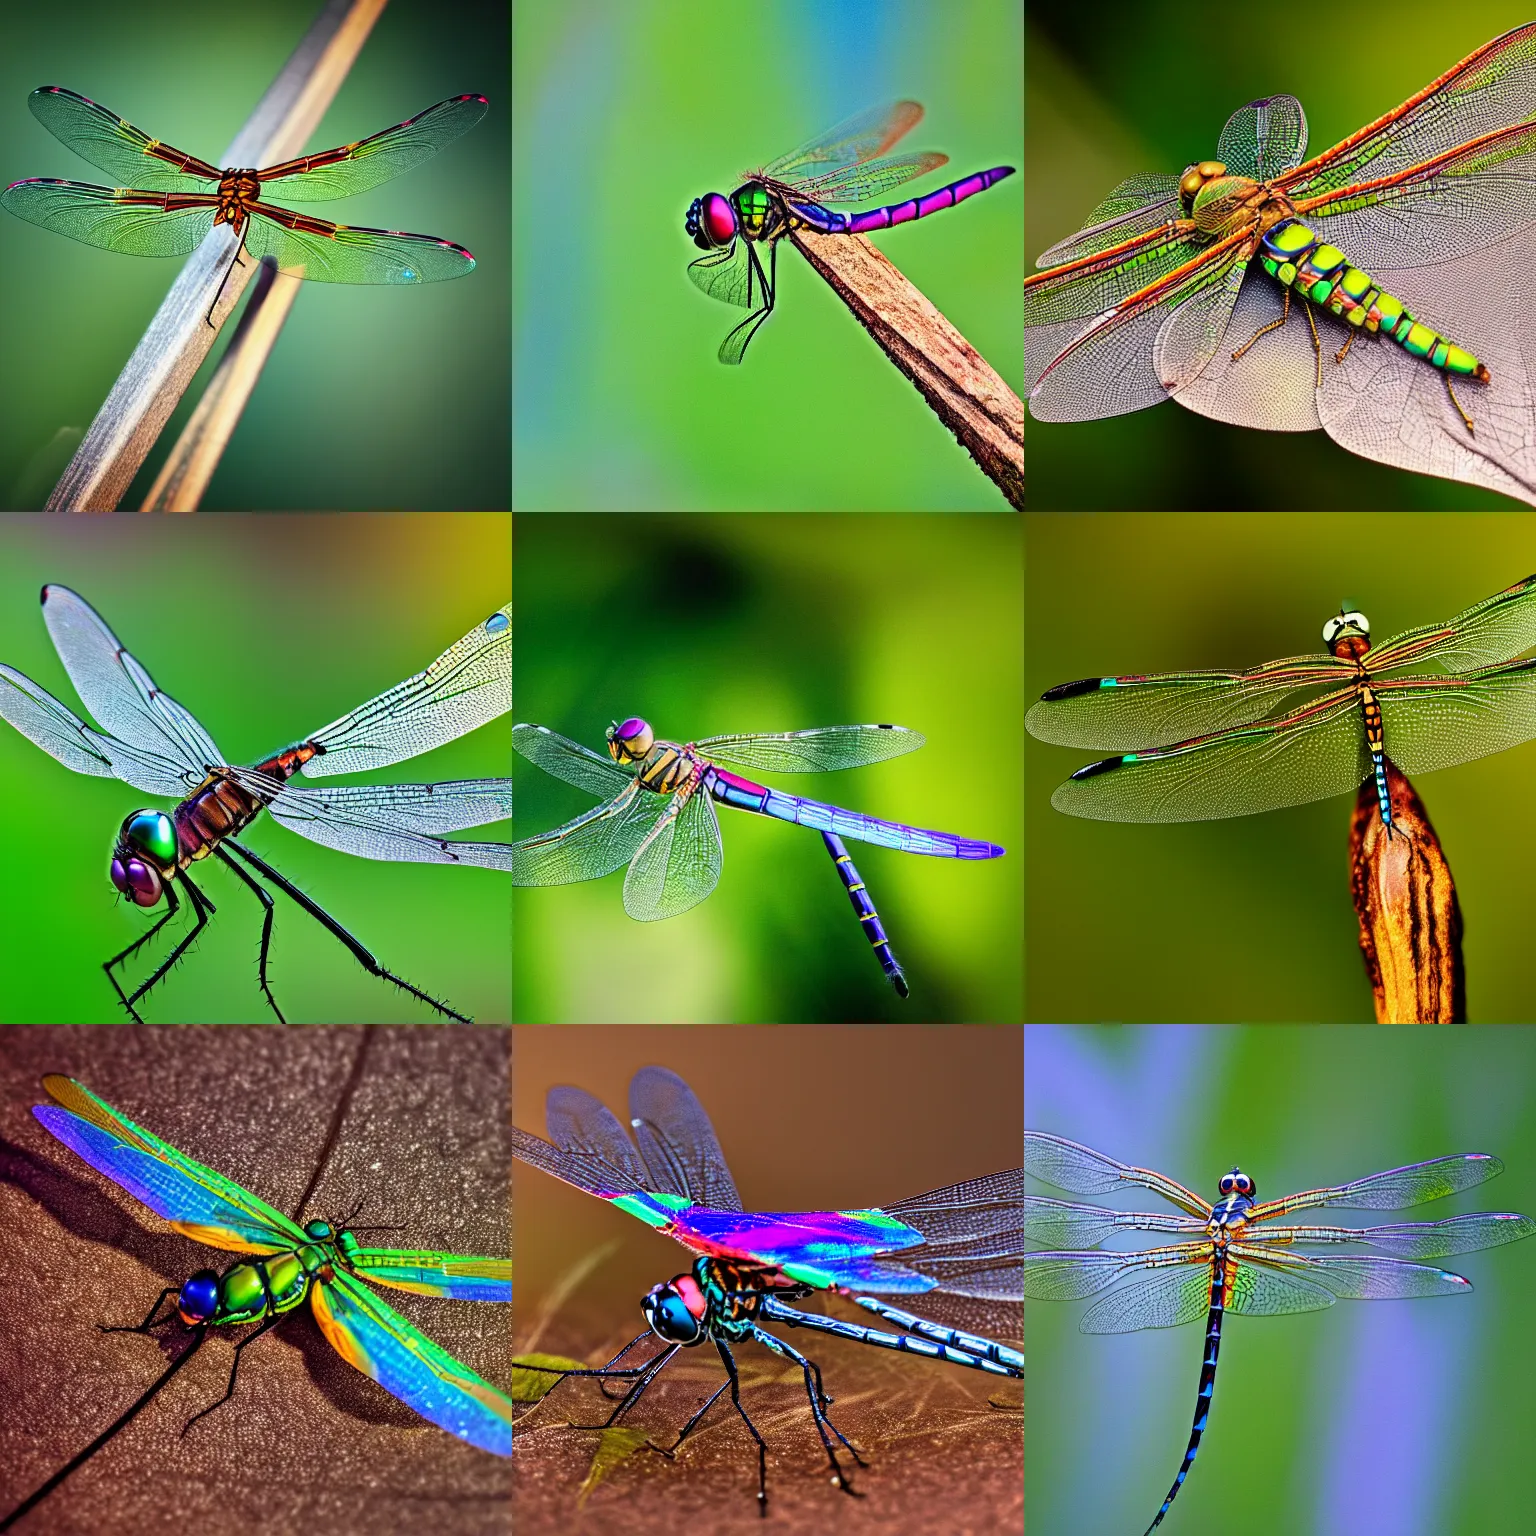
x=869 y=919
x=1295 y=255
x=830 y=223
x=1370 y=708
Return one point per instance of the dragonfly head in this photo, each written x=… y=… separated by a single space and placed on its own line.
x=145 y=857
x=629 y=741
x=711 y=222
x=676 y=1310
x=1212 y=198
x=199 y=1298
x=1238 y=1183
x=1348 y=634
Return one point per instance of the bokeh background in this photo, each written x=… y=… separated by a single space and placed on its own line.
x=808 y=1119
x=373 y=397
x=411 y=1122
x=624 y=114
x=717 y=624
x=1251 y=918
x=1145 y=93
x=266 y=628
x=1391 y=1418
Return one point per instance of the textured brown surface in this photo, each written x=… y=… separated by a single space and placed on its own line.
x=808 y=1118
x=409 y=1120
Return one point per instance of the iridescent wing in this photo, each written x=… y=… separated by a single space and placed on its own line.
x=115 y=146
x=467 y=686
x=195 y=1200
x=1123 y=713
x=356 y=167
x=856 y=139
x=1438 y=722
x=322 y=252
x=826 y=748
x=462 y=1276
x=406 y=1363
x=569 y=761
x=677 y=862
x=132 y=223
x=1393 y=1190
x=1495 y=630
x=858 y=183
x=1067 y=1164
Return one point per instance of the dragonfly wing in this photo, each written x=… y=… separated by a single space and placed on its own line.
x=197 y=1202
x=468 y=685
x=1176 y=1291
x=825 y=748
x=1315 y=752
x=1277 y=1285
x=357 y=167
x=727 y=275
x=62 y=735
x=1445 y=721
x=1413 y=1239
x=858 y=183
x=464 y=1276
x=678 y=861
x=1119 y=714
x=1492 y=631
x=1302 y=1283
x=1065 y=1224
x=855 y=139
x=591 y=845
x=1264 y=139
x=1068 y=1165
x=569 y=761
x=1136 y=207
x=1393 y=1190
x=117 y=147
x=678 y=1142
x=400 y=821
x=406 y=1363
x=322 y=252
x=132 y=223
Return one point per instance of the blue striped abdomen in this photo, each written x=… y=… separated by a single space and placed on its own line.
x=1295 y=255
x=830 y=223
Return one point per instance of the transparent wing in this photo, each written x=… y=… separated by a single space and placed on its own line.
x=406 y=1363
x=198 y=1202
x=677 y=863
x=400 y=822
x=119 y=693
x=569 y=761
x=1068 y=1165
x=1315 y=752
x=322 y=252
x=468 y=685
x=1393 y=1190
x=855 y=139
x=727 y=275
x=825 y=748
x=591 y=845
x=132 y=223
x=1411 y=1239
x=1066 y=1224
x=1139 y=205
x=858 y=183
x=463 y=1276
x=1261 y=1289
x=99 y=135
x=1431 y=723
x=1495 y=630
x=677 y=1141
x=62 y=735
x=1117 y=714
x=356 y=167
x=1171 y=1286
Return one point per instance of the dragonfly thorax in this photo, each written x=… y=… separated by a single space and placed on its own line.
x=145 y=857
x=711 y=222
x=677 y=1310
x=237 y=191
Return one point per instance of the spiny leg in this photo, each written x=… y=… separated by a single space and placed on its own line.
x=1264 y=330
x=172 y=907
x=265 y=898
x=229 y=1391
x=816 y=1396
x=1317 y=343
x=733 y=1381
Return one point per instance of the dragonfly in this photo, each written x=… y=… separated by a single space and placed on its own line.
x=148 y=740
x=838 y=166
x=170 y=200
x=289 y=1265
x=1225 y=287
x=1230 y=1259
x=1210 y=744
x=954 y=1252
x=658 y=813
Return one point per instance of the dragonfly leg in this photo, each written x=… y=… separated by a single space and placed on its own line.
x=1343 y=351
x=817 y=1398
x=732 y=351
x=229 y=1391
x=359 y=953
x=643 y=1375
x=733 y=1381
x=265 y=898
x=219 y=293
x=1264 y=330
x=1466 y=420
x=202 y=908
x=149 y=1320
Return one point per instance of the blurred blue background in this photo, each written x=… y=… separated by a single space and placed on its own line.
x=1384 y=1418
x=704 y=625
x=624 y=114
x=1146 y=93
x=373 y=396
x=1251 y=918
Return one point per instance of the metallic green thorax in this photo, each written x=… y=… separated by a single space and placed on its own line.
x=258 y=1288
x=1293 y=254
x=753 y=206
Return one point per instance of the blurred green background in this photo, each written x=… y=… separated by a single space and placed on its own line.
x=709 y=625
x=372 y=397
x=1384 y=1418
x=1147 y=93
x=624 y=114
x=1251 y=918
x=266 y=628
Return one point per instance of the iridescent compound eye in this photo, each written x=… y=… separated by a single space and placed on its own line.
x=199 y=1298
x=669 y=1317
x=136 y=880
x=153 y=834
x=711 y=222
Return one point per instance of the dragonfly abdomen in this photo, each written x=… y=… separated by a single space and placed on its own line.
x=1370 y=708
x=902 y=213
x=1295 y=255
x=257 y=1288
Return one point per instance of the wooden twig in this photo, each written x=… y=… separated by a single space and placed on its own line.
x=965 y=392
x=1405 y=899
x=179 y=337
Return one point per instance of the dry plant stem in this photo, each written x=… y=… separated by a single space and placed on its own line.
x=967 y=395
x=1405 y=898
x=179 y=337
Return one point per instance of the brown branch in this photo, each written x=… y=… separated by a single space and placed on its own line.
x=179 y=337
x=965 y=392
x=1405 y=899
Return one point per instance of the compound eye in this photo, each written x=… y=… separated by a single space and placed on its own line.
x=199 y=1298
x=633 y=739
x=138 y=881
x=1226 y=1183
x=670 y=1318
